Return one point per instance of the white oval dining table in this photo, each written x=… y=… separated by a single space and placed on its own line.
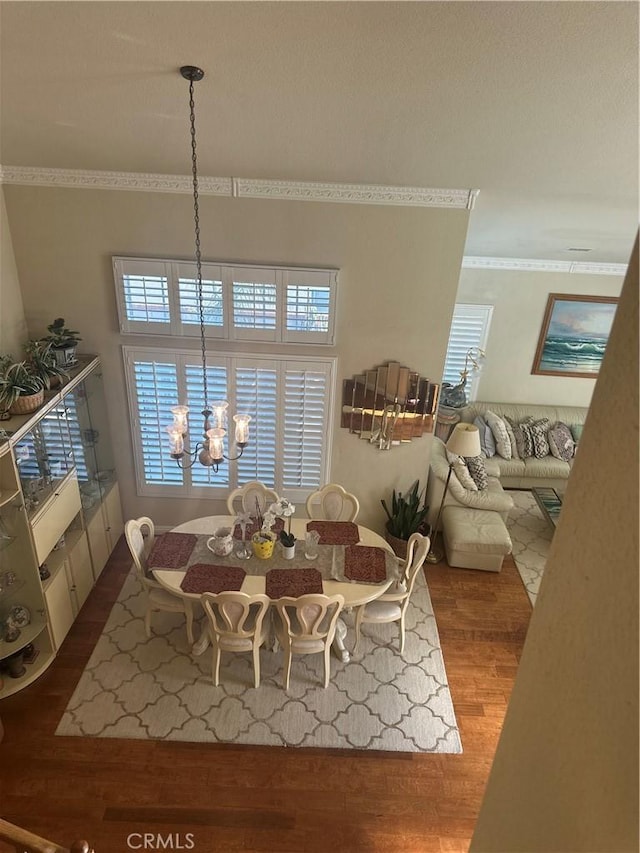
x=355 y=594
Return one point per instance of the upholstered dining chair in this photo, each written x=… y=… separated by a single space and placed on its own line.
x=307 y=626
x=236 y=624
x=244 y=498
x=332 y=503
x=392 y=606
x=140 y=536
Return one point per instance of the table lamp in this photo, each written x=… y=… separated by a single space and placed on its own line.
x=463 y=441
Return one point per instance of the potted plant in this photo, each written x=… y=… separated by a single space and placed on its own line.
x=42 y=362
x=263 y=542
x=21 y=390
x=407 y=516
x=284 y=509
x=64 y=342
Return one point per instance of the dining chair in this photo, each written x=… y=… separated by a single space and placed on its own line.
x=307 y=626
x=247 y=496
x=332 y=503
x=392 y=605
x=140 y=536
x=236 y=624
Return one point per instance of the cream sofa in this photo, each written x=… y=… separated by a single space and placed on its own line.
x=525 y=473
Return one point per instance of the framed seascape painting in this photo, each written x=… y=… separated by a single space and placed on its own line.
x=574 y=335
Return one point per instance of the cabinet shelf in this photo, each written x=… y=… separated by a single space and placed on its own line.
x=7 y=495
x=45 y=658
x=27 y=635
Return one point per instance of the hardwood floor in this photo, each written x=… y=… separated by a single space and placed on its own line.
x=245 y=798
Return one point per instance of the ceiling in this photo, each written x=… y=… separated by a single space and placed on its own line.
x=533 y=103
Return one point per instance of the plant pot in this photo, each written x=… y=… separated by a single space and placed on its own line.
x=65 y=356
x=27 y=403
x=399 y=546
x=263 y=545
x=288 y=552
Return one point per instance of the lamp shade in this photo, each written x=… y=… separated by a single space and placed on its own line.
x=464 y=440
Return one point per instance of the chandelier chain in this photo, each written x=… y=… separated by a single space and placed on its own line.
x=196 y=219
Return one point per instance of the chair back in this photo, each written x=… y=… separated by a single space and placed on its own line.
x=247 y=495
x=417 y=550
x=310 y=617
x=140 y=536
x=235 y=615
x=332 y=503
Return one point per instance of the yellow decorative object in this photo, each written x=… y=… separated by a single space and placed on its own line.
x=263 y=545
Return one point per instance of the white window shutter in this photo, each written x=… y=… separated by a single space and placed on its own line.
x=256 y=391
x=306 y=393
x=469 y=328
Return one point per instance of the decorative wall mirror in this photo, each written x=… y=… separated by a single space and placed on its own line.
x=389 y=404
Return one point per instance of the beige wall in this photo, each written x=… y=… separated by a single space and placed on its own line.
x=519 y=300
x=13 y=326
x=565 y=775
x=399 y=275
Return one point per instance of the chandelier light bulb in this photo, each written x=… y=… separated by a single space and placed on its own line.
x=242 y=429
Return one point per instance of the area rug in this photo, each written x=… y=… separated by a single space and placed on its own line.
x=531 y=537
x=135 y=687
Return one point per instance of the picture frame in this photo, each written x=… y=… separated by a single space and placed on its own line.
x=574 y=334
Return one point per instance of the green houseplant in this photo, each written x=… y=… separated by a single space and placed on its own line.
x=63 y=341
x=42 y=362
x=407 y=515
x=21 y=389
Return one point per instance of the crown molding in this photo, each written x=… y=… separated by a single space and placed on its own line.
x=531 y=265
x=241 y=187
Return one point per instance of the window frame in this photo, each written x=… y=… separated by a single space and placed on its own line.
x=281 y=276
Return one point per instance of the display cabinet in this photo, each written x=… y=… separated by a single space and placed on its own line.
x=60 y=518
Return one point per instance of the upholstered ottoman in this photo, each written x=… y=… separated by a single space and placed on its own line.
x=474 y=538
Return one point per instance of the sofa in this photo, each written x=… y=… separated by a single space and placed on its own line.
x=529 y=472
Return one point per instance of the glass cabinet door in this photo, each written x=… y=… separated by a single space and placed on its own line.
x=97 y=432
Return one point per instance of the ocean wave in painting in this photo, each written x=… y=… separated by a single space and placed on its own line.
x=579 y=355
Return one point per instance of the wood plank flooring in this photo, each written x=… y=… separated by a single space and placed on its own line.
x=246 y=798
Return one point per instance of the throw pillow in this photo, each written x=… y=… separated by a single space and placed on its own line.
x=512 y=439
x=462 y=472
x=576 y=431
x=487 y=441
x=561 y=443
x=499 y=430
x=539 y=431
x=524 y=445
x=475 y=464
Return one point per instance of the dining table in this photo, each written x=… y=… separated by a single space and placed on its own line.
x=342 y=567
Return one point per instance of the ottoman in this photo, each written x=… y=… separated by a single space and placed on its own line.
x=474 y=538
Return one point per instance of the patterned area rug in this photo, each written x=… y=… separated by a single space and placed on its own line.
x=134 y=687
x=531 y=535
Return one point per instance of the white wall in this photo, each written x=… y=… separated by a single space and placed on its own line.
x=13 y=326
x=398 y=266
x=565 y=774
x=520 y=299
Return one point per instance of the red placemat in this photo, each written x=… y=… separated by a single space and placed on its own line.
x=171 y=550
x=292 y=582
x=201 y=577
x=365 y=563
x=254 y=527
x=336 y=532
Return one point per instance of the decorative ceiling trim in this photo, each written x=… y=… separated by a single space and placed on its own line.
x=531 y=265
x=241 y=187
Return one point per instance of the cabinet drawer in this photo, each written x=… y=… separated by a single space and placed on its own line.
x=56 y=517
x=59 y=607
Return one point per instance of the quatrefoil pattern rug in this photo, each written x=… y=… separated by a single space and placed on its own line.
x=139 y=687
x=531 y=539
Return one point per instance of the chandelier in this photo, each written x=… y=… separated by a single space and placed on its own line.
x=210 y=451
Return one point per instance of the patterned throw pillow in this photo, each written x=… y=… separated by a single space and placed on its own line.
x=512 y=438
x=561 y=443
x=462 y=472
x=487 y=441
x=524 y=444
x=499 y=430
x=539 y=431
x=475 y=464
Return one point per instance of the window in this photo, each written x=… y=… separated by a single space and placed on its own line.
x=469 y=328
x=288 y=399
x=240 y=302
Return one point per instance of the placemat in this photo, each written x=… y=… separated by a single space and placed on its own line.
x=292 y=582
x=365 y=563
x=336 y=532
x=171 y=550
x=204 y=578
x=254 y=527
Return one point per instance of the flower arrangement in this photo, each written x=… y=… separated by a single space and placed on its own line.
x=283 y=509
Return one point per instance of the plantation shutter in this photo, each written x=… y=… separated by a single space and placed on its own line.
x=143 y=298
x=212 y=300
x=469 y=328
x=155 y=391
x=256 y=395
x=306 y=391
x=254 y=299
